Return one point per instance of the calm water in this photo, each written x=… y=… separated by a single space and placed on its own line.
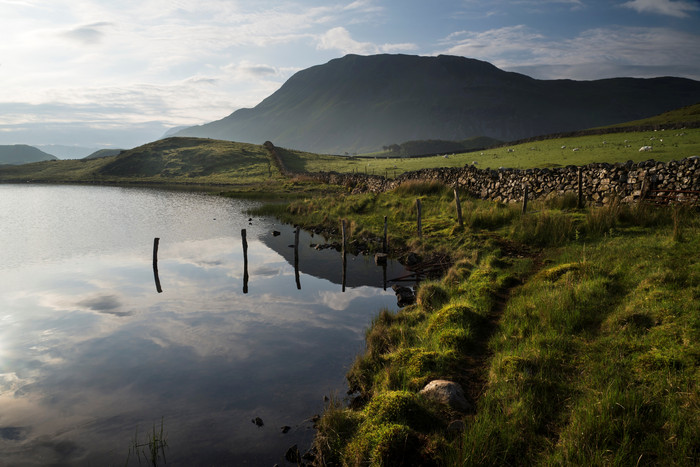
x=91 y=356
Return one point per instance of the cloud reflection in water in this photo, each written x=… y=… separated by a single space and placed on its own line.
x=100 y=353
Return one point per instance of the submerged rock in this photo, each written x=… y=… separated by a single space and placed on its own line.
x=380 y=258
x=404 y=295
x=293 y=455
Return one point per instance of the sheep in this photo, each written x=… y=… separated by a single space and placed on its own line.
x=645 y=148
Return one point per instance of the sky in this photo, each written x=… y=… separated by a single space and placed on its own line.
x=120 y=73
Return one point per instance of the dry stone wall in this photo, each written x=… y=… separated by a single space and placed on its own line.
x=601 y=182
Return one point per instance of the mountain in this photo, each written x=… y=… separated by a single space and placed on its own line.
x=361 y=103
x=22 y=154
x=104 y=153
x=66 y=152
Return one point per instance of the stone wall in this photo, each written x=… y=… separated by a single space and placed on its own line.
x=601 y=182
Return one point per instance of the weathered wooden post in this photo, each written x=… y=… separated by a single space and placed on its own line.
x=345 y=263
x=643 y=190
x=579 y=205
x=385 y=245
x=420 y=214
x=245 y=260
x=525 y=193
x=296 y=257
x=155 y=264
x=459 y=208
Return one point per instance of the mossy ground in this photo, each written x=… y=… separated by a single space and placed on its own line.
x=574 y=333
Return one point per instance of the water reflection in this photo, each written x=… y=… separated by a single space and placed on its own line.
x=89 y=352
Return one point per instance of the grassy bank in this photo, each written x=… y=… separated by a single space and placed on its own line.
x=573 y=333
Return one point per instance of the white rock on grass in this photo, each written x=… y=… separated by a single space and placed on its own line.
x=447 y=392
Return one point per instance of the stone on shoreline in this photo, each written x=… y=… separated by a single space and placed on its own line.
x=447 y=392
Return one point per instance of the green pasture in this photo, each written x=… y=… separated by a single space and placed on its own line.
x=615 y=147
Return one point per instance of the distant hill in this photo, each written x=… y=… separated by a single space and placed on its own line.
x=104 y=153
x=431 y=146
x=66 y=152
x=22 y=154
x=361 y=103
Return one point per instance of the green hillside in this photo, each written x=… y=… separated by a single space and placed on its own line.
x=22 y=154
x=172 y=160
x=206 y=161
x=685 y=115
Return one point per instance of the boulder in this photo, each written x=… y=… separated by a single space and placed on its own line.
x=380 y=258
x=447 y=392
x=404 y=295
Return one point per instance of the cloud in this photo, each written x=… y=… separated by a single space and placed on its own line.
x=88 y=35
x=592 y=54
x=339 y=39
x=678 y=8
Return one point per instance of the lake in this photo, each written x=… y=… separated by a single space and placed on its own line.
x=93 y=357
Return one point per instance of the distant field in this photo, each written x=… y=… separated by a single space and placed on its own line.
x=616 y=147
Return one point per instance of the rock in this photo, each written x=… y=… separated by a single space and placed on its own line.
x=412 y=259
x=447 y=392
x=285 y=429
x=258 y=421
x=275 y=233
x=380 y=258
x=404 y=295
x=456 y=426
x=293 y=455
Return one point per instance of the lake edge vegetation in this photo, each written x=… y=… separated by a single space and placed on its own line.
x=573 y=332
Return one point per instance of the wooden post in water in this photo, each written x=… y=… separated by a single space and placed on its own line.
x=245 y=260
x=459 y=209
x=579 y=175
x=155 y=264
x=385 y=245
x=296 y=257
x=526 y=188
x=345 y=262
x=420 y=214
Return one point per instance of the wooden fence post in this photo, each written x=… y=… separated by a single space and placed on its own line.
x=296 y=258
x=580 y=188
x=459 y=209
x=245 y=260
x=155 y=264
x=526 y=189
x=345 y=264
x=643 y=190
x=420 y=214
x=385 y=245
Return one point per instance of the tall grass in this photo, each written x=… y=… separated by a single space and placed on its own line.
x=594 y=360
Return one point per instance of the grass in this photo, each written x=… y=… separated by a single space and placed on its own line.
x=581 y=150
x=168 y=161
x=592 y=360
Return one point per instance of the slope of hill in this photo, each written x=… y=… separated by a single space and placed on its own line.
x=22 y=154
x=361 y=103
x=103 y=153
x=168 y=161
x=187 y=159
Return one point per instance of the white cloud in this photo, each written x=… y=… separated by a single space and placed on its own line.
x=678 y=8
x=339 y=39
x=89 y=34
x=595 y=53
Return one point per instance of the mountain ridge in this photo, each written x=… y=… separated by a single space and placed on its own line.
x=16 y=154
x=361 y=103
